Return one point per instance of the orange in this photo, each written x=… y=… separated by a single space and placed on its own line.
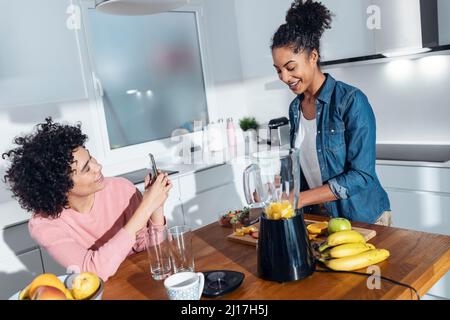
x=48 y=293
x=312 y=236
x=317 y=228
x=279 y=210
x=45 y=279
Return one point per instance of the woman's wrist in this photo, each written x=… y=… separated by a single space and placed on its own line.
x=148 y=208
x=316 y=196
x=131 y=228
x=137 y=221
x=300 y=203
x=158 y=217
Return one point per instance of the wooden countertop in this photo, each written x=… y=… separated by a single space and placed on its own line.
x=418 y=259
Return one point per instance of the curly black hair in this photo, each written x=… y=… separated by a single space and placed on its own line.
x=306 y=21
x=40 y=172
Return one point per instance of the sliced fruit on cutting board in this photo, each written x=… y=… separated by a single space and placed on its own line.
x=317 y=227
x=319 y=238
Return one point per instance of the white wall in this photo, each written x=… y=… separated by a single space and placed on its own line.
x=257 y=21
x=410 y=98
x=223 y=51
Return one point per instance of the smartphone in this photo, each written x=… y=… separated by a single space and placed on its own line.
x=153 y=170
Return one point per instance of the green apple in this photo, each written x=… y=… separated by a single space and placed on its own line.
x=338 y=224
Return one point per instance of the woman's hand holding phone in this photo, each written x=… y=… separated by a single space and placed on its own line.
x=154 y=196
x=156 y=193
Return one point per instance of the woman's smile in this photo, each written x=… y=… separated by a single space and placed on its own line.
x=293 y=85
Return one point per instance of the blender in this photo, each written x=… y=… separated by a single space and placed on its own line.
x=272 y=184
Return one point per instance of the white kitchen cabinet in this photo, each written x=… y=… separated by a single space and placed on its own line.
x=349 y=35
x=444 y=22
x=421 y=211
x=40 y=57
x=427 y=212
x=420 y=200
x=428 y=179
x=16 y=240
x=17 y=272
x=20 y=259
x=50 y=265
x=205 y=207
x=207 y=193
x=205 y=179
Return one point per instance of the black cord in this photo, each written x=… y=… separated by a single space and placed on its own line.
x=369 y=274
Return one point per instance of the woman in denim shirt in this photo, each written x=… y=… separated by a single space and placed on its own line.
x=331 y=122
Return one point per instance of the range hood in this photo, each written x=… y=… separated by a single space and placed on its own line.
x=407 y=27
x=138 y=7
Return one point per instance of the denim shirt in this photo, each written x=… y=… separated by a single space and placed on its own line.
x=346 y=144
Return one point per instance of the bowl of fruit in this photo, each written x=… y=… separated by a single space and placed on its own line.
x=75 y=286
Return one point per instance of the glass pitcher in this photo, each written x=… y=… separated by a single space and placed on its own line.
x=273 y=177
x=272 y=185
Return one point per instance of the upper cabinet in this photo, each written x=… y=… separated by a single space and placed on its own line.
x=368 y=29
x=444 y=22
x=40 y=57
x=349 y=35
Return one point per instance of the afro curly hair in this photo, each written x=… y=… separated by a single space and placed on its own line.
x=306 y=21
x=40 y=172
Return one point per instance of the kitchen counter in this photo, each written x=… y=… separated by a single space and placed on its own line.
x=417 y=259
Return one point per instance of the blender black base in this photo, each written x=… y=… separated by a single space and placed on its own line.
x=294 y=276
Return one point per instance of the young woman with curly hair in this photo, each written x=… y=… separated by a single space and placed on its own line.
x=82 y=219
x=331 y=122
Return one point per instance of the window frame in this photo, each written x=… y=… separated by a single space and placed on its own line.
x=136 y=156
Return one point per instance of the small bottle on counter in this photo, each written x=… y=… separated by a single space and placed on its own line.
x=231 y=133
x=215 y=141
x=223 y=131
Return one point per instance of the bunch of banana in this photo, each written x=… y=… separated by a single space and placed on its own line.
x=342 y=237
x=348 y=250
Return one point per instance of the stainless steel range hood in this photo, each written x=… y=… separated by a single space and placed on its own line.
x=138 y=7
x=407 y=26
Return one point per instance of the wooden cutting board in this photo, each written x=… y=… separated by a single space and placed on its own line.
x=247 y=239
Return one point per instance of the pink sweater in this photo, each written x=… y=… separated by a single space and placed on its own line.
x=95 y=241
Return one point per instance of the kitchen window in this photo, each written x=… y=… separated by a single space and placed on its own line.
x=148 y=74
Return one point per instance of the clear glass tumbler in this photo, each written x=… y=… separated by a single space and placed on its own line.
x=158 y=250
x=180 y=240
